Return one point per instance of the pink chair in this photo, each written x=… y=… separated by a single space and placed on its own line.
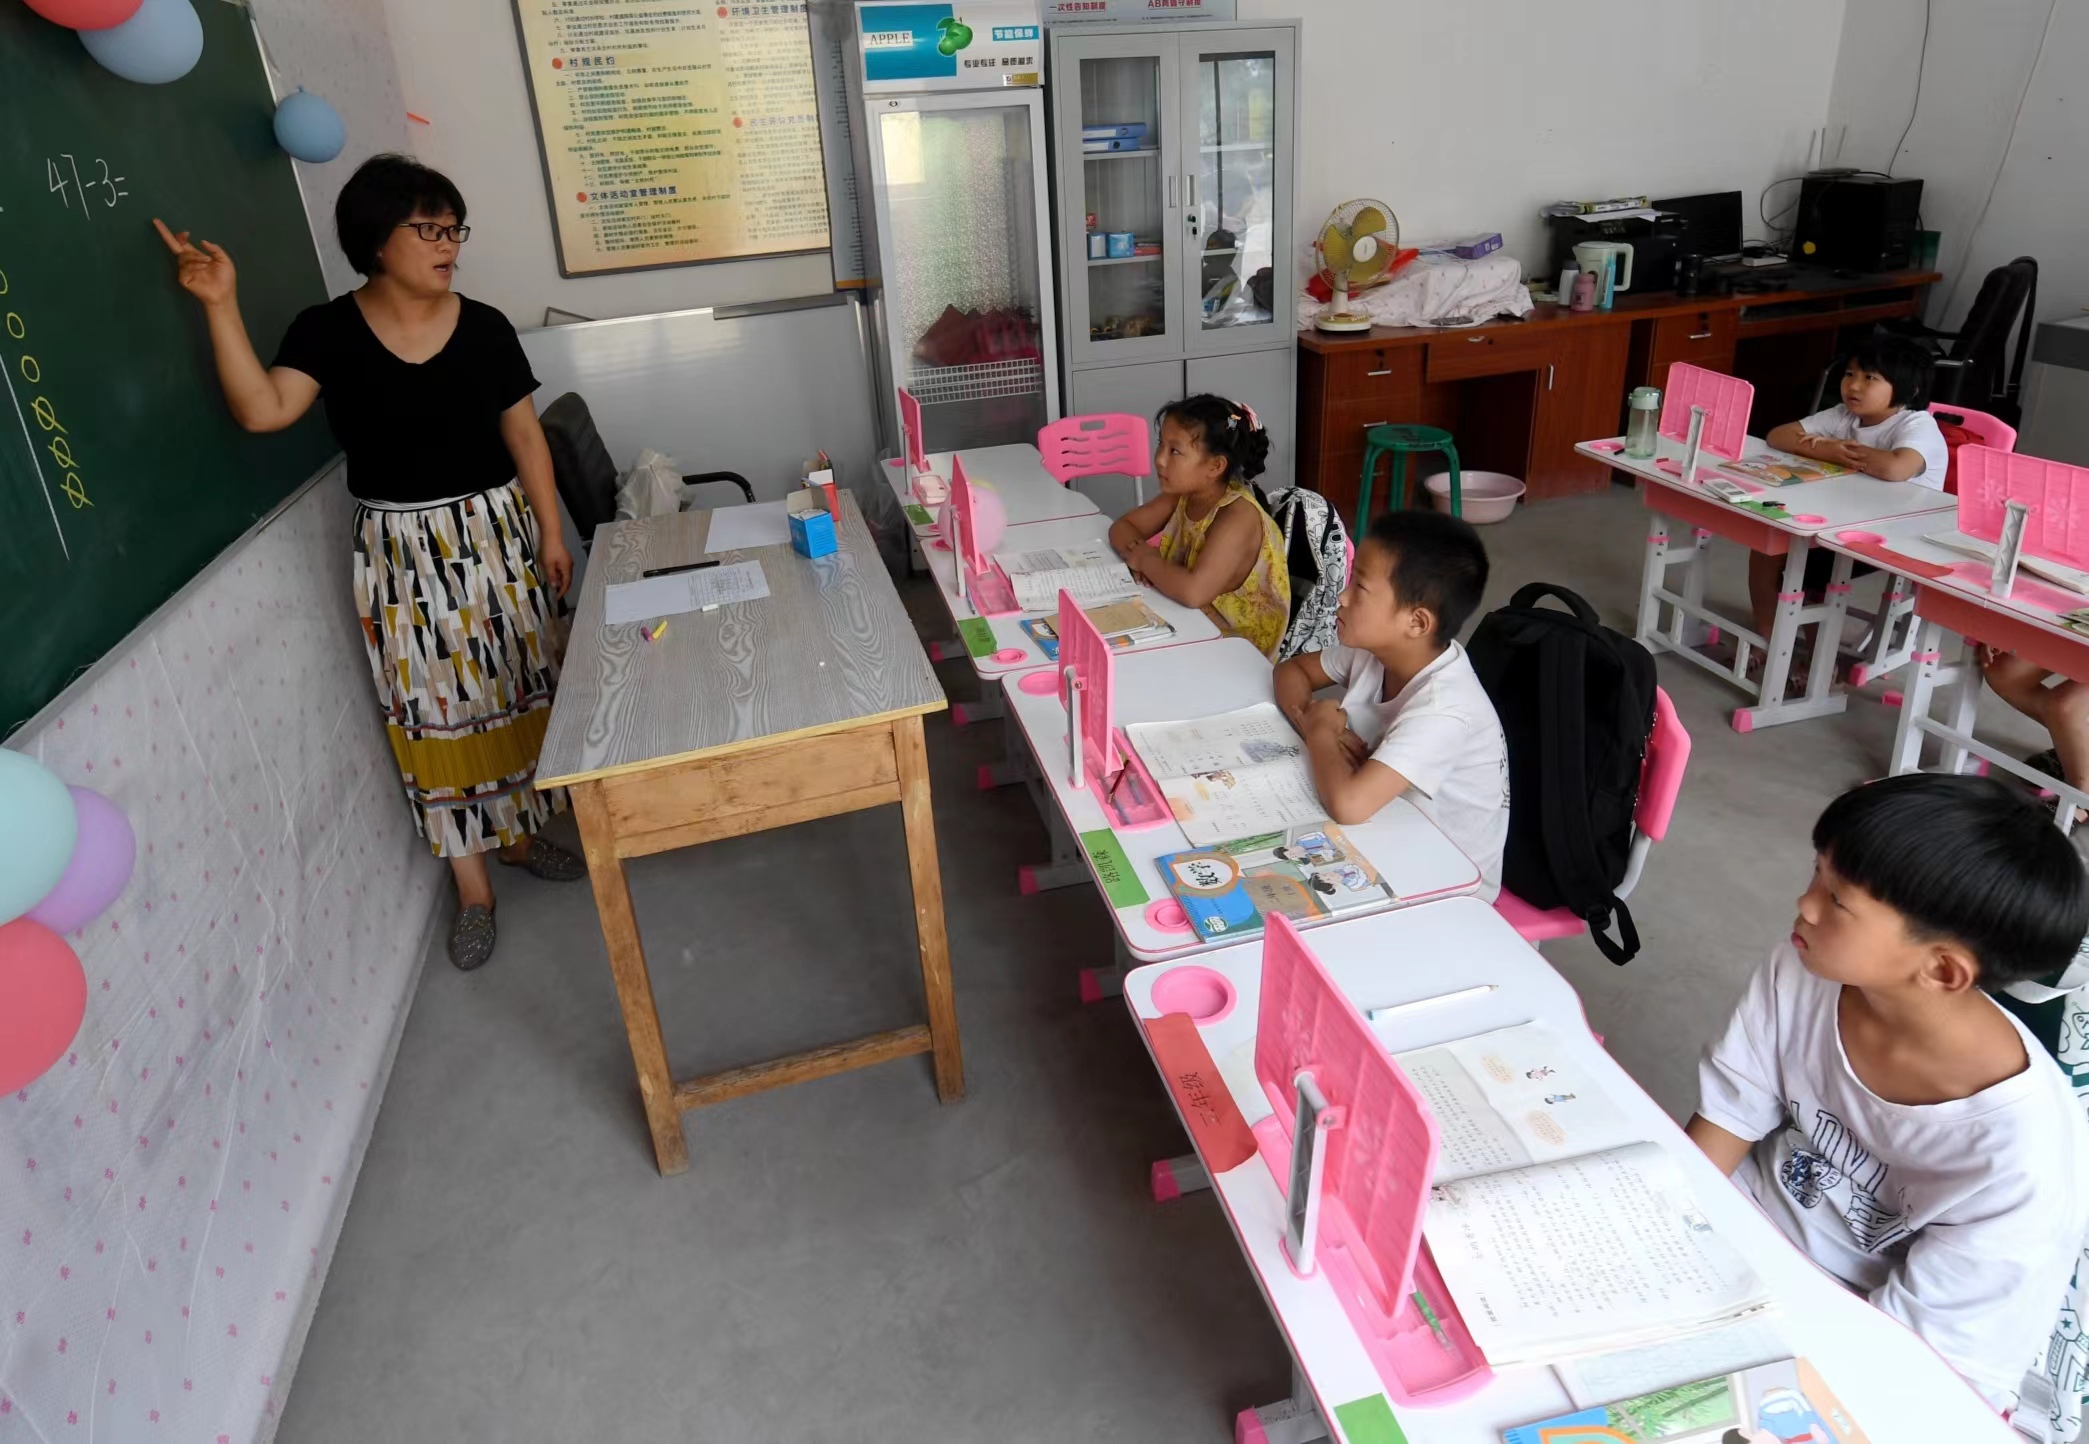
x=1107 y=443
x=1987 y=431
x=1660 y=780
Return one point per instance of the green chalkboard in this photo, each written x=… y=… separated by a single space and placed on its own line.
x=121 y=474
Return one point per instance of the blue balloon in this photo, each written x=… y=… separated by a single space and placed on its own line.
x=309 y=128
x=38 y=827
x=162 y=42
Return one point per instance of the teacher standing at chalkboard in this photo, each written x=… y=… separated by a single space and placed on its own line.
x=458 y=552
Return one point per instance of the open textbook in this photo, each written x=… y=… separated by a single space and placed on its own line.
x=2058 y=573
x=1236 y=775
x=1557 y=1231
x=1092 y=573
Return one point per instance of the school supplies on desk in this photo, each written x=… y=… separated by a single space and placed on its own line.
x=1122 y=624
x=2058 y=574
x=1786 y=1401
x=683 y=592
x=1542 y=1194
x=1237 y=775
x=1781 y=468
x=1305 y=873
x=1093 y=574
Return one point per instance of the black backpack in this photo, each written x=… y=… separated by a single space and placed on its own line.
x=1576 y=702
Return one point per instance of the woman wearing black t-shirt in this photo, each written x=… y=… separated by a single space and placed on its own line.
x=458 y=553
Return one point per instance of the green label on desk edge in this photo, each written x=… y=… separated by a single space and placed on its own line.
x=1120 y=883
x=1369 y=1421
x=979 y=637
x=919 y=515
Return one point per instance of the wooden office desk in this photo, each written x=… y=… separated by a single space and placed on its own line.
x=1517 y=395
x=803 y=704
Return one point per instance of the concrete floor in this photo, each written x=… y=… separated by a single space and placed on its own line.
x=847 y=1260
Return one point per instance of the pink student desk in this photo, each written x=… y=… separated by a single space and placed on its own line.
x=1941 y=696
x=1170 y=685
x=1781 y=521
x=1016 y=472
x=1895 y=1385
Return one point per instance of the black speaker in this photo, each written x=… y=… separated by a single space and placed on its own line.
x=1857 y=222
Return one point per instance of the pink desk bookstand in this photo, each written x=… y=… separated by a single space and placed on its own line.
x=979 y=580
x=2058 y=495
x=1374 y=1179
x=1097 y=755
x=913 y=454
x=1726 y=400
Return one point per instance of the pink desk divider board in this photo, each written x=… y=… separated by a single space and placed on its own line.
x=1098 y=755
x=1380 y=1156
x=1726 y=400
x=2058 y=495
x=910 y=432
x=979 y=581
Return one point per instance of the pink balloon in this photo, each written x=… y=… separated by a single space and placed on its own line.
x=85 y=14
x=43 y=996
x=100 y=866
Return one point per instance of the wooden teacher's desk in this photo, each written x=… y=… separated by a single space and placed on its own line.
x=1517 y=395
x=801 y=704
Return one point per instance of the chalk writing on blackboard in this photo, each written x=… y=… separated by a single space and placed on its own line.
x=50 y=434
x=65 y=183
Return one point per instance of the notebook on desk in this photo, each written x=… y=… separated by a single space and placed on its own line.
x=1239 y=774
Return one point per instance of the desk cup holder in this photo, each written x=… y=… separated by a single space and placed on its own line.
x=1009 y=656
x=1859 y=538
x=1040 y=684
x=1807 y=518
x=1167 y=916
x=1206 y=996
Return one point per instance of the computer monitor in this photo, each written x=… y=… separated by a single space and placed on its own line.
x=1714 y=222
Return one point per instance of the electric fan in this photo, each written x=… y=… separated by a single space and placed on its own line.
x=1357 y=248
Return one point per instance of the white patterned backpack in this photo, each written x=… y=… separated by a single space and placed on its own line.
x=1316 y=551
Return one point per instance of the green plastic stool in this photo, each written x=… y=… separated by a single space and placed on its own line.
x=1400 y=442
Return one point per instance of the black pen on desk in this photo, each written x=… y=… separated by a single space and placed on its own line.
x=685 y=567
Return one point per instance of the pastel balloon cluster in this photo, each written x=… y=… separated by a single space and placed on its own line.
x=66 y=853
x=148 y=41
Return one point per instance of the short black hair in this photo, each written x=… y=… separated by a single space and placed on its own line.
x=1223 y=428
x=385 y=190
x=1439 y=562
x=1904 y=363
x=1971 y=859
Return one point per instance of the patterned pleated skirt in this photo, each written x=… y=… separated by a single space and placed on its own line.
x=464 y=638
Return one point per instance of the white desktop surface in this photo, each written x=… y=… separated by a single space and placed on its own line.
x=1839 y=501
x=1172 y=684
x=1899 y=1390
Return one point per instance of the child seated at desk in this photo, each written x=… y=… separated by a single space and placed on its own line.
x=1886 y=1113
x=1413 y=719
x=1216 y=547
x=1880 y=427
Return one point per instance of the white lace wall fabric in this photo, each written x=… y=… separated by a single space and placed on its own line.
x=171 y=1190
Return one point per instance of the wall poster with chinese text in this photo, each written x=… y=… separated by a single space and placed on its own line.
x=675 y=133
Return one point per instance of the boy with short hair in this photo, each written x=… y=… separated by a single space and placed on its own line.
x=1899 y=1126
x=1414 y=720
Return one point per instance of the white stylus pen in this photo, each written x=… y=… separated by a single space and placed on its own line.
x=1394 y=1010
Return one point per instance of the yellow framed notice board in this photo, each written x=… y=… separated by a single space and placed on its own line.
x=675 y=133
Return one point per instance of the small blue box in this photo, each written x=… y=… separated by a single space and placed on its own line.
x=812 y=534
x=1120 y=245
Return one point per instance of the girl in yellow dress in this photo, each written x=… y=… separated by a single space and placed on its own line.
x=1216 y=548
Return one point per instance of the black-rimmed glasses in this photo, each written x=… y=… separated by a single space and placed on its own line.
x=436 y=231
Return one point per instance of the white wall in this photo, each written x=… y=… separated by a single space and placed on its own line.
x=1981 y=64
x=1467 y=118
x=461 y=67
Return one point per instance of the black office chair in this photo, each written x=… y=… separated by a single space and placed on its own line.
x=1972 y=369
x=586 y=477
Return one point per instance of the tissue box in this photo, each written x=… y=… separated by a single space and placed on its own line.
x=812 y=525
x=812 y=533
x=1120 y=245
x=1474 y=247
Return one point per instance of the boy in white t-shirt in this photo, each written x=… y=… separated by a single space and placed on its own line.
x=1900 y=1127
x=1413 y=720
x=1880 y=428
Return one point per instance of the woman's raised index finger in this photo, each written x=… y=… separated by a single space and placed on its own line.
x=178 y=244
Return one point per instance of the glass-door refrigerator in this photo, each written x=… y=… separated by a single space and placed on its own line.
x=954 y=106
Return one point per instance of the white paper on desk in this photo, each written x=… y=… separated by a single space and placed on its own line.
x=765 y=524
x=1599 y=1379
x=1246 y=738
x=683 y=592
x=1511 y=1097
x=1216 y=807
x=2072 y=579
x=1092 y=574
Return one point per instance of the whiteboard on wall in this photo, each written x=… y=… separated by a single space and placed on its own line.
x=673 y=136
